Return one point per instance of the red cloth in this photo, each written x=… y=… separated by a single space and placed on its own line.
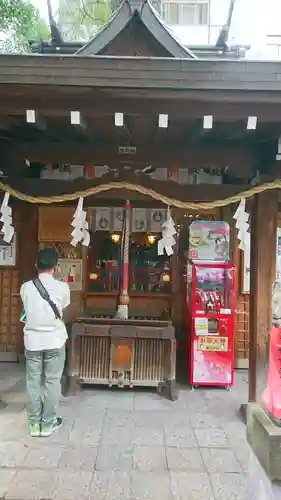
x=271 y=397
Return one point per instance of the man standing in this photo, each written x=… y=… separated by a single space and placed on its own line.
x=44 y=300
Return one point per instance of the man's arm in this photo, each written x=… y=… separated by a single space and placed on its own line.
x=22 y=291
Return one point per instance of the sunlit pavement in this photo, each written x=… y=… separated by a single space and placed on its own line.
x=131 y=445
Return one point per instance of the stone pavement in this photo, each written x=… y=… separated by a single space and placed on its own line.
x=131 y=445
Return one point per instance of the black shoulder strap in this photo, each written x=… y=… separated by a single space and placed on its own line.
x=44 y=294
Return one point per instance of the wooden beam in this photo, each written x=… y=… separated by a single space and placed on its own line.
x=33 y=119
x=263 y=262
x=239 y=162
x=53 y=102
x=77 y=120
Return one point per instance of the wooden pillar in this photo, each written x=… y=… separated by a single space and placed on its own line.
x=176 y=310
x=27 y=248
x=28 y=240
x=227 y=216
x=264 y=214
x=241 y=300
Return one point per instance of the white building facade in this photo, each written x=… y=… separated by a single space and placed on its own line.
x=195 y=22
x=198 y=22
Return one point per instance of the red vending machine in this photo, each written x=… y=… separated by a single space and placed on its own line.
x=210 y=305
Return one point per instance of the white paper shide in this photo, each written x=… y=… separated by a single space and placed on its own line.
x=6 y=218
x=80 y=233
x=168 y=239
x=242 y=218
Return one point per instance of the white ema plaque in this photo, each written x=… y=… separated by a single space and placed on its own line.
x=157 y=218
x=139 y=220
x=8 y=252
x=102 y=219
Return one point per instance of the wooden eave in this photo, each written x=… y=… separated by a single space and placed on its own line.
x=124 y=15
x=159 y=74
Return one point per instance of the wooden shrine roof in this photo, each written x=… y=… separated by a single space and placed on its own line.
x=132 y=11
x=145 y=73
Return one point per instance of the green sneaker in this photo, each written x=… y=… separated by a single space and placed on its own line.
x=34 y=429
x=48 y=429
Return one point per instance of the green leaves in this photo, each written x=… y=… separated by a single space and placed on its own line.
x=20 y=22
x=84 y=17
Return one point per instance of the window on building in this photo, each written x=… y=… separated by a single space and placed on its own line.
x=188 y=12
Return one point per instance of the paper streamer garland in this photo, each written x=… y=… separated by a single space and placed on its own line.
x=6 y=217
x=242 y=217
x=168 y=240
x=80 y=233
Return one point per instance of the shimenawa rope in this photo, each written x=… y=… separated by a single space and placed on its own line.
x=172 y=202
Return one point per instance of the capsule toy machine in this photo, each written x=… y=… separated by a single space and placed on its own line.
x=210 y=305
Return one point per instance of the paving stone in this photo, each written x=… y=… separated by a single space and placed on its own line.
x=151 y=486
x=92 y=403
x=174 y=419
x=149 y=458
x=259 y=483
x=6 y=420
x=110 y=486
x=114 y=457
x=94 y=419
x=85 y=435
x=16 y=431
x=71 y=485
x=67 y=410
x=12 y=454
x=235 y=430
x=191 y=486
x=192 y=402
x=185 y=459
x=220 y=460
x=243 y=452
x=78 y=458
x=118 y=418
x=215 y=393
x=180 y=437
x=6 y=476
x=230 y=487
x=121 y=401
x=31 y=485
x=205 y=421
x=106 y=399
x=45 y=457
x=219 y=408
x=276 y=490
x=116 y=435
x=132 y=427
x=146 y=436
x=212 y=438
x=152 y=402
x=150 y=418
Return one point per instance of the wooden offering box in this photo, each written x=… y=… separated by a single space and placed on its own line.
x=114 y=352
